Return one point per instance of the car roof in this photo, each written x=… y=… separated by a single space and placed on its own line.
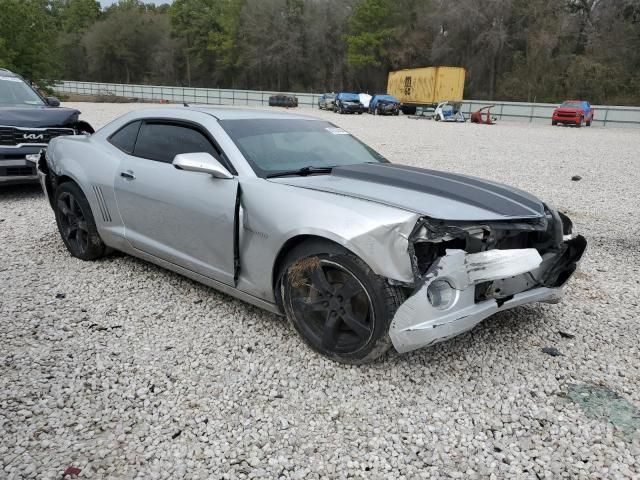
x=221 y=113
x=7 y=73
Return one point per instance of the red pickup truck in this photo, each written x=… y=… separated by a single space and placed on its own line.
x=574 y=112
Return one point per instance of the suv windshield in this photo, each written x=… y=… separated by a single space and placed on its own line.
x=571 y=105
x=277 y=145
x=14 y=92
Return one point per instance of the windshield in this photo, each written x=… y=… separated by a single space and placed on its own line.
x=277 y=145
x=15 y=93
x=350 y=97
x=571 y=105
x=388 y=98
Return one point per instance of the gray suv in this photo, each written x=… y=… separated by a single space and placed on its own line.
x=327 y=101
x=28 y=121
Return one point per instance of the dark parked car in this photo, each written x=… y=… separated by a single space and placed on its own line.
x=28 y=121
x=383 y=104
x=327 y=101
x=348 y=103
x=288 y=101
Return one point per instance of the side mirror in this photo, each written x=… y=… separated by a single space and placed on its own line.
x=201 y=162
x=53 y=102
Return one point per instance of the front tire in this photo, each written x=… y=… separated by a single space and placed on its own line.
x=337 y=304
x=76 y=224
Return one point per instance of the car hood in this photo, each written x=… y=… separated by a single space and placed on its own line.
x=568 y=109
x=438 y=195
x=38 y=116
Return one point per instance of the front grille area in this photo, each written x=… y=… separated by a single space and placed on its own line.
x=13 y=136
x=567 y=115
x=425 y=253
x=17 y=171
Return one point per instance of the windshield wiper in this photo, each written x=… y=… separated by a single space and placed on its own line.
x=302 y=172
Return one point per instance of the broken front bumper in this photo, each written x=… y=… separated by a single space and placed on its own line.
x=446 y=305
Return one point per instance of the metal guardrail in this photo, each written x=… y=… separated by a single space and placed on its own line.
x=528 y=112
x=210 y=96
x=541 y=112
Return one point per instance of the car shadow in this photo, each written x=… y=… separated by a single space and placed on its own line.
x=18 y=191
x=515 y=327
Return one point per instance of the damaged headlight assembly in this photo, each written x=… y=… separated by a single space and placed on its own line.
x=466 y=273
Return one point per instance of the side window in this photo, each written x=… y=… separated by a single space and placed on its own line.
x=163 y=141
x=125 y=138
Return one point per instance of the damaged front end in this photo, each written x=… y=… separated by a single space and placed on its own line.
x=466 y=272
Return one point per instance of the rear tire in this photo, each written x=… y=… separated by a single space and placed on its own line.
x=76 y=224
x=337 y=304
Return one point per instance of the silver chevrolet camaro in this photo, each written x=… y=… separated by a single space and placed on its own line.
x=297 y=216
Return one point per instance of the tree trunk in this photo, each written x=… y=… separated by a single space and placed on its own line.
x=188 y=69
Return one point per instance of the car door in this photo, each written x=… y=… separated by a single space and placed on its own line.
x=586 y=106
x=186 y=218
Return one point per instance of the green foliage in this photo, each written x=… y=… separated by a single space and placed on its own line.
x=122 y=47
x=544 y=50
x=370 y=33
x=223 y=41
x=27 y=41
x=75 y=16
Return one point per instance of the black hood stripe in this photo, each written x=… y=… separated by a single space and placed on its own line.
x=497 y=198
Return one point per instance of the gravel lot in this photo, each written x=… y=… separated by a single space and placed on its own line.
x=124 y=370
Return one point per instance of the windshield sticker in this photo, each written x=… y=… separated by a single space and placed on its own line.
x=337 y=131
x=10 y=79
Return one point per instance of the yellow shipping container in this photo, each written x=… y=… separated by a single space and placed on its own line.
x=427 y=86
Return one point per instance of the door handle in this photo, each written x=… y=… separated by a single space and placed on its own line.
x=128 y=175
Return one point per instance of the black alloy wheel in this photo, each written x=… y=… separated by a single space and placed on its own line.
x=339 y=306
x=76 y=223
x=73 y=225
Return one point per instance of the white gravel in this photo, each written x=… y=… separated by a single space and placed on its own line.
x=139 y=373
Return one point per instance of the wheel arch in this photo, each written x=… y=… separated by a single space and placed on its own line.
x=55 y=180
x=324 y=240
x=295 y=242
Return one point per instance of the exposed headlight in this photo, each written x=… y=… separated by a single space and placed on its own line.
x=441 y=294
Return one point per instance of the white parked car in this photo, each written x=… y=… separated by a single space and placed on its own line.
x=365 y=99
x=449 y=112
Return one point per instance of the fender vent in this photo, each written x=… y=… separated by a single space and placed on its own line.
x=106 y=216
